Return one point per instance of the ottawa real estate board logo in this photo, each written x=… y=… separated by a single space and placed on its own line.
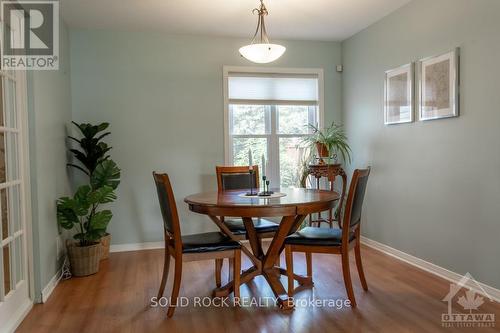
x=465 y=299
x=30 y=35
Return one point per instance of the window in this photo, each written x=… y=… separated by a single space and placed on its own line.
x=267 y=111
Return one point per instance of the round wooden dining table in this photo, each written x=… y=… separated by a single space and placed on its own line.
x=292 y=208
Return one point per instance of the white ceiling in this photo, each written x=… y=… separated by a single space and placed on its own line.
x=329 y=20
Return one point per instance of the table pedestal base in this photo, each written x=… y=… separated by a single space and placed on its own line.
x=264 y=263
x=272 y=276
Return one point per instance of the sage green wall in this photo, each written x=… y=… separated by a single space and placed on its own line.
x=49 y=110
x=163 y=97
x=434 y=190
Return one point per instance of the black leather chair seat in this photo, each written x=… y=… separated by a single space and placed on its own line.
x=261 y=225
x=317 y=236
x=208 y=242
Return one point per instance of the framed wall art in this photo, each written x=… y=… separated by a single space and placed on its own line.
x=398 y=95
x=438 y=95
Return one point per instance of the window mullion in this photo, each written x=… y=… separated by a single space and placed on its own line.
x=230 y=144
x=313 y=116
x=230 y=154
x=269 y=127
x=274 y=149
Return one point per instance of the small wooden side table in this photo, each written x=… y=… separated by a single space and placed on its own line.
x=329 y=171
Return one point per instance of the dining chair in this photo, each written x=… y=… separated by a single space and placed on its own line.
x=204 y=246
x=337 y=241
x=238 y=178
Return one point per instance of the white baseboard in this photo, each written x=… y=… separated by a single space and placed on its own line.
x=49 y=288
x=136 y=246
x=444 y=273
x=16 y=319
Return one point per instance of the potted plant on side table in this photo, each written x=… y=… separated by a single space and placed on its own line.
x=329 y=142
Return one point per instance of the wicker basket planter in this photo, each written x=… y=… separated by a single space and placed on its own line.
x=105 y=242
x=84 y=260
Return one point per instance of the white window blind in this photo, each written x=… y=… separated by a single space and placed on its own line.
x=272 y=89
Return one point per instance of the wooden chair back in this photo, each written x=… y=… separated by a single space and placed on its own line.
x=354 y=204
x=168 y=208
x=236 y=177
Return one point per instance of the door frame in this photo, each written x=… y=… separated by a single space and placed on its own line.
x=26 y=169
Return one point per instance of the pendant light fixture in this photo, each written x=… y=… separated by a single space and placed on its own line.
x=262 y=52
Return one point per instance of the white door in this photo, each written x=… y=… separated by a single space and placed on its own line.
x=14 y=282
x=14 y=279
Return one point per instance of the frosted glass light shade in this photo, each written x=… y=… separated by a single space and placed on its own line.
x=262 y=53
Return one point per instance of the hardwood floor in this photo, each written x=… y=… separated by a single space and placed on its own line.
x=401 y=298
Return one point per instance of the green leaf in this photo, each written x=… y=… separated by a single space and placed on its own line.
x=102 y=126
x=82 y=127
x=102 y=195
x=89 y=130
x=100 y=137
x=79 y=155
x=100 y=220
x=66 y=216
x=81 y=200
x=106 y=173
x=74 y=139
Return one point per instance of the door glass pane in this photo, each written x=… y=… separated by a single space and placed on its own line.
x=18 y=246
x=10 y=103
x=14 y=201
x=293 y=119
x=291 y=158
x=5 y=215
x=258 y=146
x=248 y=119
x=6 y=270
x=3 y=174
x=12 y=156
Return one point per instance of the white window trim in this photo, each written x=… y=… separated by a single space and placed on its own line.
x=267 y=70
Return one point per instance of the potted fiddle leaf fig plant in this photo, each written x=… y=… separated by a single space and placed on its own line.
x=83 y=212
x=93 y=157
x=329 y=142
